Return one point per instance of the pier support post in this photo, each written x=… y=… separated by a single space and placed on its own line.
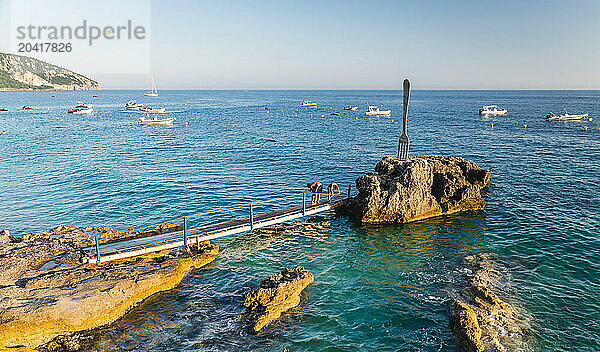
x=251 y=217
x=349 y=189
x=97 y=250
x=185 y=234
x=303 y=203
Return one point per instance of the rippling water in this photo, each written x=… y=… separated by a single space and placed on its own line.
x=376 y=288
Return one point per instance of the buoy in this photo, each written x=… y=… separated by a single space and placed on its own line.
x=392 y=120
x=585 y=128
x=356 y=118
x=491 y=124
x=322 y=115
x=12 y=118
x=266 y=123
x=525 y=126
x=185 y=123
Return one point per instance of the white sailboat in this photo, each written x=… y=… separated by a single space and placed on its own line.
x=154 y=91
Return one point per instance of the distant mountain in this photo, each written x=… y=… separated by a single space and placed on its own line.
x=26 y=73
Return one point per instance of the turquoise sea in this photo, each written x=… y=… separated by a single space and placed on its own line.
x=376 y=288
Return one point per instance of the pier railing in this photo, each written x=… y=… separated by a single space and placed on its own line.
x=250 y=219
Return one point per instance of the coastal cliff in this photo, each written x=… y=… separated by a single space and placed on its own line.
x=26 y=73
x=45 y=291
x=418 y=188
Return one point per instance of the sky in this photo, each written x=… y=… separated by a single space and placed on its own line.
x=331 y=44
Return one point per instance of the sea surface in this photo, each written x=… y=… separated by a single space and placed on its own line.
x=376 y=288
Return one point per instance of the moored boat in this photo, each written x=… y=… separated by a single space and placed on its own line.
x=148 y=109
x=566 y=117
x=81 y=109
x=492 y=110
x=350 y=108
x=26 y=108
x=3 y=110
x=133 y=105
x=156 y=121
x=308 y=103
x=153 y=92
x=374 y=111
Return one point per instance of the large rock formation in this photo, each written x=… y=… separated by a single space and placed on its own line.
x=418 y=188
x=480 y=319
x=25 y=73
x=274 y=296
x=46 y=292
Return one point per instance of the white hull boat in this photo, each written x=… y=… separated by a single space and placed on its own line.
x=374 y=111
x=132 y=105
x=492 y=110
x=81 y=111
x=153 y=92
x=566 y=117
x=156 y=121
x=150 y=110
x=351 y=108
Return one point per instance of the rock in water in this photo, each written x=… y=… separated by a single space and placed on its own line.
x=274 y=296
x=418 y=188
x=46 y=292
x=480 y=319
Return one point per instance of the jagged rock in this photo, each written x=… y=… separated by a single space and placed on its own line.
x=480 y=319
x=418 y=188
x=46 y=292
x=274 y=296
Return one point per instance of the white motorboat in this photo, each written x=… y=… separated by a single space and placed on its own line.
x=307 y=103
x=150 y=110
x=566 y=117
x=81 y=109
x=153 y=92
x=492 y=110
x=351 y=108
x=132 y=105
x=156 y=121
x=374 y=111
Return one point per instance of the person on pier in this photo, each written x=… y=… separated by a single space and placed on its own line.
x=332 y=190
x=315 y=188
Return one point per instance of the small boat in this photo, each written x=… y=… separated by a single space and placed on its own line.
x=3 y=110
x=566 y=117
x=155 y=121
x=351 y=108
x=153 y=92
x=492 y=110
x=132 y=105
x=374 y=111
x=27 y=108
x=152 y=110
x=81 y=109
x=308 y=103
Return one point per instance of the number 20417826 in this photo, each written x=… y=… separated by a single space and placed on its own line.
x=45 y=47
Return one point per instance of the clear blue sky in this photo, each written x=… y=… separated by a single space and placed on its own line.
x=374 y=44
x=352 y=44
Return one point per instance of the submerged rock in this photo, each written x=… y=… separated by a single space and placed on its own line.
x=480 y=319
x=46 y=292
x=274 y=296
x=418 y=188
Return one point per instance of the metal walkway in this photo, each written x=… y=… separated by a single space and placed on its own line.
x=127 y=248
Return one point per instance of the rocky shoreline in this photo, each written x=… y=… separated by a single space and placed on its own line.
x=46 y=292
x=480 y=318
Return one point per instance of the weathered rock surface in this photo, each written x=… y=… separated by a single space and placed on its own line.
x=46 y=292
x=418 y=188
x=480 y=319
x=26 y=73
x=274 y=296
